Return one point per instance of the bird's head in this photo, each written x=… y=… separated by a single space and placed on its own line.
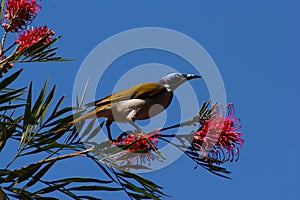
x=173 y=80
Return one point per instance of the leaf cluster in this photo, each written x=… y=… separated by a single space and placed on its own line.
x=32 y=123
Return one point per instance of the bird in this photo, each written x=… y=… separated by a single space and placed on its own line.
x=139 y=102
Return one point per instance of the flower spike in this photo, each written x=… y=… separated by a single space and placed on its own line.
x=19 y=13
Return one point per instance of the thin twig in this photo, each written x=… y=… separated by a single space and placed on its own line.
x=186 y=123
x=8 y=48
x=2 y=42
x=70 y=155
x=14 y=158
x=119 y=181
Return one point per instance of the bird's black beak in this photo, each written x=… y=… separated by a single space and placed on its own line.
x=191 y=76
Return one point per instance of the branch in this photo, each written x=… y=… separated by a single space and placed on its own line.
x=70 y=155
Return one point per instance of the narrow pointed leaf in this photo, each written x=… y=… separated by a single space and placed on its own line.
x=2 y=194
x=39 y=175
x=88 y=128
x=25 y=172
x=4 y=83
x=39 y=102
x=9 y=96
x=81 y=180
x=95 y=187
x=28 y=120
x=95 y=131
x=47 y=102
x=10 y=107
x=51 y=188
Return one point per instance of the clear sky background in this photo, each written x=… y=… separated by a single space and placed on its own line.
x=256 y=47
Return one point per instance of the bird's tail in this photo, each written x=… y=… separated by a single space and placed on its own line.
x=93 y=113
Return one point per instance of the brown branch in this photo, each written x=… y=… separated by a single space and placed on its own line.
x=47 y=160
x=70 y=155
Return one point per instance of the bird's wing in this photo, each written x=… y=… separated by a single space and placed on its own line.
x=149 y=89
x=139 y=91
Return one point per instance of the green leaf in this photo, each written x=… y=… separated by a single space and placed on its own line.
x=3 y=196
x=37 y=47
x=38 y=53
x=94 y=132
x=4 y=135
x=134 y=188
x=39 y=175
x=47 y=102
x=28 y=118
x=89 y=198
x=87 y=130
x=9 y=96
x=84 y=92
x=51 y=188
x=28 y=114
x=53 y=59
x=135 y=166
x=60 y=124
x=81 y=180
x=20 y=193
x=4 y=172
x=219 y=174
x=149 y=188
x=21 y=174
x=140 y=179
x=26 y=172
x=139 y=196
x=43 y=53
x=56 y=115
x=49 y=145
x=102 y=168
x=10 y=79
x=57 y=106
x=61 y=121
x=94 y=187
x=39 y=103
x=10 y=107
x=45 y=198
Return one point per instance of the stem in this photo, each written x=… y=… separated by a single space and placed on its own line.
x=186 y=123
x=11 y=46
x=19 y=152
x=2 y=43
x=198 y=163
x=70 y=155
x=48 y=159
x=15 y=157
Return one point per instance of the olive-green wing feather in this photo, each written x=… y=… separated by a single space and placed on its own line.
x=149 y=89
x=139 y=91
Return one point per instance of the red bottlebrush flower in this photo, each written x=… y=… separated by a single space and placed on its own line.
x=141 y=149
x=219 y=137
x=32 y=36
x=19 y=13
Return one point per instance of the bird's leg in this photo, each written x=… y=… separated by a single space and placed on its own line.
x=135 y=126
x=130 y=119
x=107 y=124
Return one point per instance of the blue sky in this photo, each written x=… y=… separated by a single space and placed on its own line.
x=255 y=45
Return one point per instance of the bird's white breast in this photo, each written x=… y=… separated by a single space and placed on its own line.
x=138 y=109
x=121 y=110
